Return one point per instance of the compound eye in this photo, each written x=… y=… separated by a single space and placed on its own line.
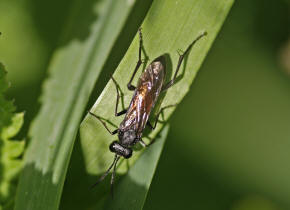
x=128 y=153
x=114 y=146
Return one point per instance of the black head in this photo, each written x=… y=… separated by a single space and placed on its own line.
x=120 y=150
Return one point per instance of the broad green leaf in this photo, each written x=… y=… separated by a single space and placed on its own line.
x=88 y=37
x=168 y=27
x=10 y=150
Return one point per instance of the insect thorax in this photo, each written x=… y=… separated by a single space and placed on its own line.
x=127 y=137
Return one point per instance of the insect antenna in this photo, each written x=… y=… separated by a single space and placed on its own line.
x=117 y=157
x=113 y=176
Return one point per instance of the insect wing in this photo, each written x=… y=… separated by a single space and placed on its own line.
x=145 y=97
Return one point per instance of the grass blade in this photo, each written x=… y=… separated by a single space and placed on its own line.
x=91 y=30
x=168 y=27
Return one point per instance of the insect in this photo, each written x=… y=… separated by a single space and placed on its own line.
x=149 y=86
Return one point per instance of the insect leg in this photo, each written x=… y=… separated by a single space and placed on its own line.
x=139 y=62
x=117 y=101
x=171 y=82
x=104 y=124
x=143 y=144
x=152 y=127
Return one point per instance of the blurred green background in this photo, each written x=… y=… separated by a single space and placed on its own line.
x=229 y=144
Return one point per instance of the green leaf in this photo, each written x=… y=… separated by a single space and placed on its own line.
x=10 y=150
x=91 y=30
x=168 y=27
